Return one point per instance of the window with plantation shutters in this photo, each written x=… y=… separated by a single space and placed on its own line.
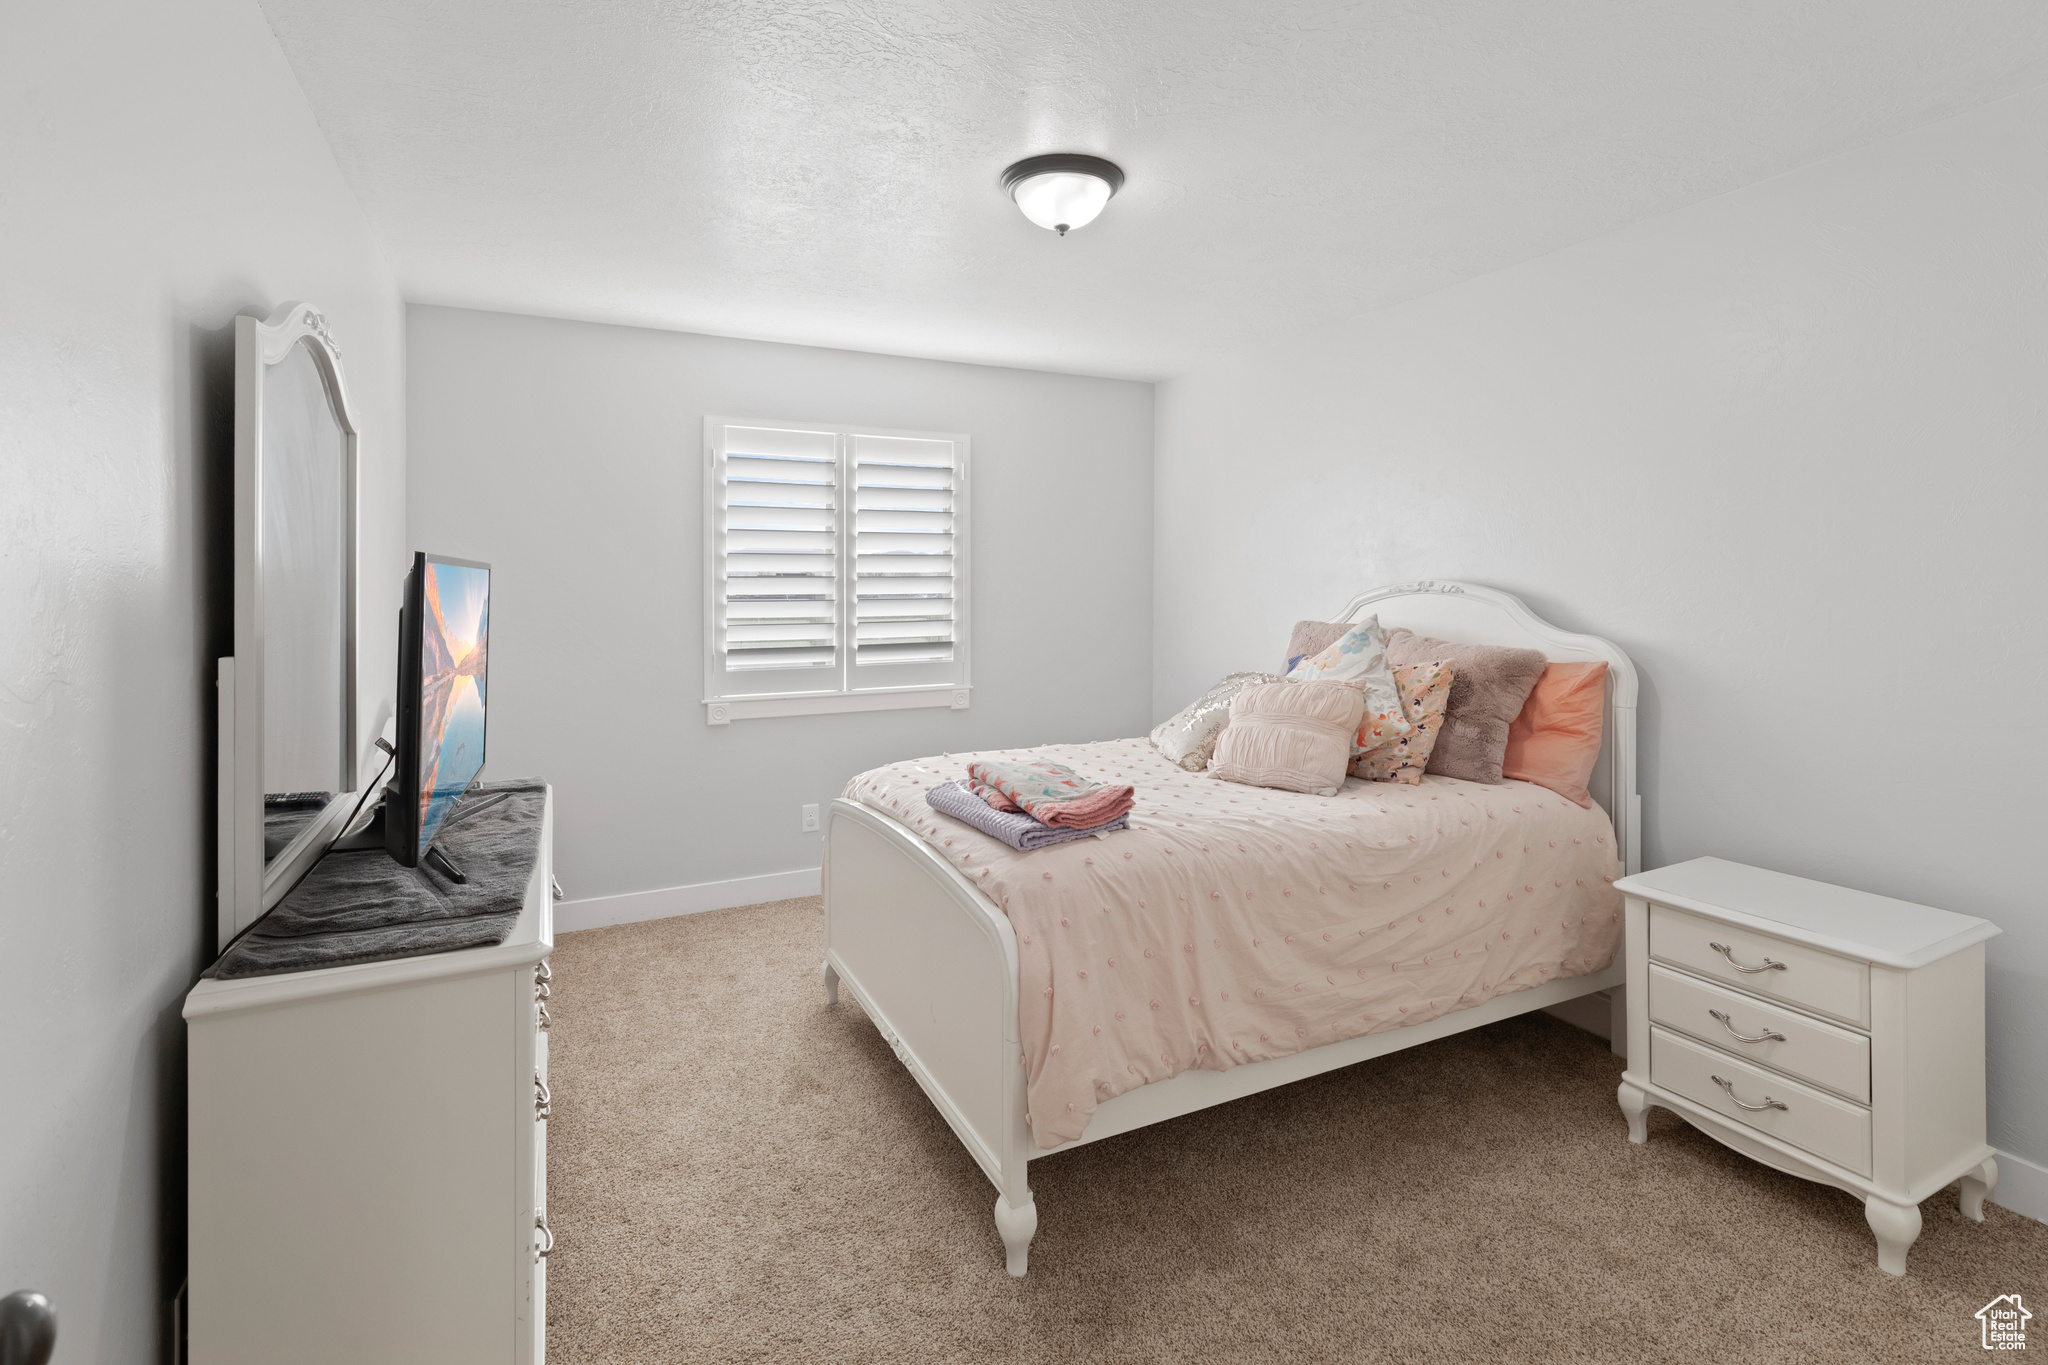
x=835 y=569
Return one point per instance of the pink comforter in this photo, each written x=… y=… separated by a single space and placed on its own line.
x=1233 y=924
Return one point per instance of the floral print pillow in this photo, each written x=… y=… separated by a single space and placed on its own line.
x=1425 y=688
x=1359 y=657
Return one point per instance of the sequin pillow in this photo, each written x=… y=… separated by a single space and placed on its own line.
x=1425 y=690
x=1189 y=738
x=1359 y=657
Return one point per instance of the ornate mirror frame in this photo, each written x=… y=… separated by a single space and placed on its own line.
x=248 y=884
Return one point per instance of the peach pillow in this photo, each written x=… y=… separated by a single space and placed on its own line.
x=1556 y=738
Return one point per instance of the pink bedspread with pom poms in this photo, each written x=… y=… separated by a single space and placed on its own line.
x=1232 y=924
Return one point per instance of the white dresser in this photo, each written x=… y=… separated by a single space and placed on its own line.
x=1831 y=1034
x=368 y=1163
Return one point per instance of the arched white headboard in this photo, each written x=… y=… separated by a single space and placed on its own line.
x=1487 y=616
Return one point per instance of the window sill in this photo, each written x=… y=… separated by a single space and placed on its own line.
x=725 y=710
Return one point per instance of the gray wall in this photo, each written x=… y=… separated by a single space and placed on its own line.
x=159 y=173
x=1785 y=447
x=568 y=456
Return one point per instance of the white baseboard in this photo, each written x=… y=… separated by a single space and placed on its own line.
x=1598 y=1014
x=669 y=901
x=2022 y=1187
x=1589 y=1012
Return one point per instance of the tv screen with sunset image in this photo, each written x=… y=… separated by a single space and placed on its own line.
x=454 y=644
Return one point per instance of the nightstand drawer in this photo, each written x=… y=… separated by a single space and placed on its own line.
x=1833 y=1130
x=1774 y=968
x=1783 y=1040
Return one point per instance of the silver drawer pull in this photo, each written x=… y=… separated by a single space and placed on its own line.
x=543 y=972
x=541 y=991
x=544 y=1020
x=543 y=1101
x=540 y=1225
x=1768 y=1103
x=1725 y=951
x=1767 y=1036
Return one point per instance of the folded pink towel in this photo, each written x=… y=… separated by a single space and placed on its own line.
x=1052 y=793
x=995 y=799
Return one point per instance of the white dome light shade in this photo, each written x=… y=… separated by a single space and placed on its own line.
x=1062 y=191
x=1061 y=200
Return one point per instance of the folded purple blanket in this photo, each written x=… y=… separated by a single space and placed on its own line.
x=1018 y=830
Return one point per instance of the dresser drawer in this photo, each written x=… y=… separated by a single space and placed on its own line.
x=1833 y=1130
x=1804 y=1048
x=1806 y=978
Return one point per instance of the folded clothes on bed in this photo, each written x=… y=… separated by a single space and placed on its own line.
x=1019 y=831
x=995 y=799
x=1052 y=793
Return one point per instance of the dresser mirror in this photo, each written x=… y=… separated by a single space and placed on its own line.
x=288 y=733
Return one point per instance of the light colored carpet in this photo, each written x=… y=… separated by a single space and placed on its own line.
x=739 y=1173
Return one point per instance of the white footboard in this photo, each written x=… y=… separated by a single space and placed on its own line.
x=934 y=964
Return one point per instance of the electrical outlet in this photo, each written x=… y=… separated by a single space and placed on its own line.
x=810 y=819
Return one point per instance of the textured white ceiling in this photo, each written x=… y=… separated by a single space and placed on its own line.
x=825 y=171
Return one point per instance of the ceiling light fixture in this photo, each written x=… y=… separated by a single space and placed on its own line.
x=1062 y=190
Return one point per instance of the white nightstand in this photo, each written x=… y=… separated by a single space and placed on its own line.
x=1831 y=1034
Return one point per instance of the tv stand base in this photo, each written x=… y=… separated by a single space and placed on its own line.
x=445 y=863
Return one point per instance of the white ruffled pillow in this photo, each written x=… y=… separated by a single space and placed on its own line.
x=1291 y=736
x=1359 y=657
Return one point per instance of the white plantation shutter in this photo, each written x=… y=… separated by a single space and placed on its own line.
x=835 y=564
x=904 y=540
x=779 y=550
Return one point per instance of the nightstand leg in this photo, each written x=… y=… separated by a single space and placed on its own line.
x=831 y=979
x=1897 y=1227
x=1977 y=1187
x=1635 y=1106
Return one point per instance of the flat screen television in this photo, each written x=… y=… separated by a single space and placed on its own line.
x=444 y=634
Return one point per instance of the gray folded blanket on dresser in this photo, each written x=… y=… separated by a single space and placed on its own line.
x=363 y=907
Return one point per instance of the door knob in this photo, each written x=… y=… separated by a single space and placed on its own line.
x=28 y=1329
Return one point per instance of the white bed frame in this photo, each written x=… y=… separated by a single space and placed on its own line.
x=934 y=962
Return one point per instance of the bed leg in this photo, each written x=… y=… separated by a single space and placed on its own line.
x=831 y=979
x=1635 y=1106
x=1016 y=1227
x=1976 y=1186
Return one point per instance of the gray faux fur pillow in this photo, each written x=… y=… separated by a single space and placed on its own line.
x=1312 y=637
x=1489 y=684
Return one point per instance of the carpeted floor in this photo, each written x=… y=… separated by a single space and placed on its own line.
x=739 y=1173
